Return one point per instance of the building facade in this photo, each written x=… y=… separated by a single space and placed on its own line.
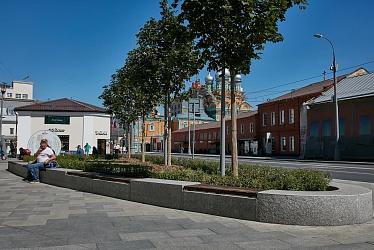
x=205 y=138
x=281 y=129
x=75 y=123
x=356 y=120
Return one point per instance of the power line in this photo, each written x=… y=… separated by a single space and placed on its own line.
x=309 y=78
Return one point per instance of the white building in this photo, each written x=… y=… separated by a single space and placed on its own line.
x=20 y=90
x=75 y=123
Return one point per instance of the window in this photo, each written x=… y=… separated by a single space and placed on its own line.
x=251 y=127
x=341 y=126
x=326 y=128
x=292 y=143
x=209 y=136
x=283 y=144
x=264 y=119
x=272 y=118
x=214 y=135
x=201 y=136
x=25 y=96
x=152 y=127
x=364 y=125
x=18 y=96
x=9 y=95
x=242 y=128
x=11 y=131
x=205 y=136
x=314 y=128
x=291 y=117
x=281 y=117
x=184 y=124
x=228 y=130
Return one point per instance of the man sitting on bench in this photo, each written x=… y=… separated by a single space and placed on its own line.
x=44 y=155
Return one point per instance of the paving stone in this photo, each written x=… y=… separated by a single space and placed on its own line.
x=265 y=245
x=143 y=236
x=177 y=242
x=59 y=218
x=190 y=232
x=140 y=244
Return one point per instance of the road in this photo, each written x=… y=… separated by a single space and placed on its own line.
x=353 y=171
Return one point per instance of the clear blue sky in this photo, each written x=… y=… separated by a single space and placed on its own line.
x=70 y=48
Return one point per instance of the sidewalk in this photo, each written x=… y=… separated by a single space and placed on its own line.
x=39 y=216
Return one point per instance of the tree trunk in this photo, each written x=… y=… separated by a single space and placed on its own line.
x=128 y=141
x=234 y=127
x=143 y=139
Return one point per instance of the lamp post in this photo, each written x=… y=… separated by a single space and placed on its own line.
x=3 y=90
x=193 y=134
x=189 y=129
x=334 y=68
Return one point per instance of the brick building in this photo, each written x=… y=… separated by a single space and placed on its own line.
x=279 y=126
x=207 y=136
x=356 y=119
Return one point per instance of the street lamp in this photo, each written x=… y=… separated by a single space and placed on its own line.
x=3 y=90
x=334 y=68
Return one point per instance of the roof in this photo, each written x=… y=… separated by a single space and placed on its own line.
x=63 y=104
x=216 y=124
x=349 y=88
x=315 y=88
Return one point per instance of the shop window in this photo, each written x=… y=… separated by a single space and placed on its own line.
x=341 y=126
x=314 y=128
x=326 y=128
x=64 y=142
x=365 y=128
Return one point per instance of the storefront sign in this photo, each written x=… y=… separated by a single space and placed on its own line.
x=57 y=130
x=101 y=133
x=48 y=119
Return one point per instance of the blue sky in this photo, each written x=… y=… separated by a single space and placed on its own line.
x=70 y=48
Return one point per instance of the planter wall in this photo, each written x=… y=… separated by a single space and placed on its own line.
x=348 y=205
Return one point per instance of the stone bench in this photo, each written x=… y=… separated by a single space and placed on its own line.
x=344 y=205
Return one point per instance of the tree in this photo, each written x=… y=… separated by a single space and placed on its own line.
x=169 y=44
x=130 y=93
x=117 y=99
x=230 y=33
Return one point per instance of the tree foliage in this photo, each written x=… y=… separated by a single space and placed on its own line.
x=169 y=44
x=231 y=33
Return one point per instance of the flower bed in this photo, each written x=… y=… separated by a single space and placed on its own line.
x=206 y=172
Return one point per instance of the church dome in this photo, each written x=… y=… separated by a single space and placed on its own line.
x=218 y=74
x=209 y=78
x=238 y=78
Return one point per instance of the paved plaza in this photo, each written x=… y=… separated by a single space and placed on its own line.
x=40 y=216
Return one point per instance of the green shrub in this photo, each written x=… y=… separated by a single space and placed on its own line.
x=250 y=176
x=28 y=158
